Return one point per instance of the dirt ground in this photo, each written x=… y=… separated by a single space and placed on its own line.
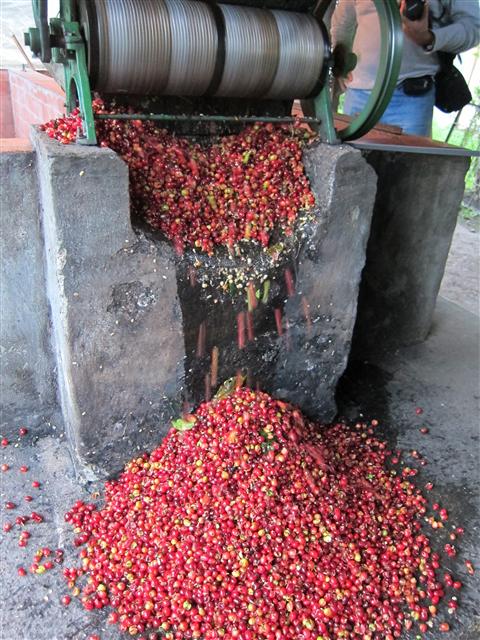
x=461 y=282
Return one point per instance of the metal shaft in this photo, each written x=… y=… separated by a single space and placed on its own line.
x=169 y=117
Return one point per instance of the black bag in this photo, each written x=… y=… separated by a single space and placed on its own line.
x=417 y=86
x=451 y=89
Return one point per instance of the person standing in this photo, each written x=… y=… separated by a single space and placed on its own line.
x=451 y=26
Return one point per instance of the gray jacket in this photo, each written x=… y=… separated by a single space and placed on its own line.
x=455 y=23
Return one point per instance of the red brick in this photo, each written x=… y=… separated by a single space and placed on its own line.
x=34 y=78
x=15 y=145
x=7 y=123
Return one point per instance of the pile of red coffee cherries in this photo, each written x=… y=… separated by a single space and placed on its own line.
x=251 y=522
x=242 y=188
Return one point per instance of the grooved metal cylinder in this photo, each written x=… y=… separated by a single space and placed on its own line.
x=301 y=56
x=134 y=45
x=184 y=47
x=252 y=46
x=194 y=47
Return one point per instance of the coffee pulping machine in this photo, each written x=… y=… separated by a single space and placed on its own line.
x=203 y=61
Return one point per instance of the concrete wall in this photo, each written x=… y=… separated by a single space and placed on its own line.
x=27 y=386
x=116 y=323
x=416 y=208
x=28 y=390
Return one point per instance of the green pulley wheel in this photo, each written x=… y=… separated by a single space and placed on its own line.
x=390 y=57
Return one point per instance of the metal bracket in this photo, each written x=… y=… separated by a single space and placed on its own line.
x=323 y=111
x=77 y=84
x=60 y=40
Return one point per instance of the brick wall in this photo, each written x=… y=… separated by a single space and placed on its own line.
x=35 y=98
x=7 y=124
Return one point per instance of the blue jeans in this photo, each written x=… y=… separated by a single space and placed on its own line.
x=412 y=113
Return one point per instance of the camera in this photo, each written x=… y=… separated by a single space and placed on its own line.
x=414 y=9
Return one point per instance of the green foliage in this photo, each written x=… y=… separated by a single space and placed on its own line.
x=184 y=424
x=467 y=213
x=469 y=139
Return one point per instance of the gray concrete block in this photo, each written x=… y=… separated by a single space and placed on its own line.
x=115 y=315
x=27 y=386
x=328 y=271
x=416 y=209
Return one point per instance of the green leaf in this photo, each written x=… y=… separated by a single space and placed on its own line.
x=268 y=440
x=246 y=156
x=266 y=291
x=229 y=386
x=184 y=424
x=275 y=250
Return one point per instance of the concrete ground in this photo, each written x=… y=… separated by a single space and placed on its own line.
x=441 y=376
x=461 y=282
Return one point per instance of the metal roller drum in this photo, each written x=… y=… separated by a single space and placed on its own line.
x=194 y=47
x=175 y=47
x=150 y=47
x=301 y=55
x=129 y=45
x=252 y=46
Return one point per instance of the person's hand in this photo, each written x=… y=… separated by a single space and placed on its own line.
x=417 y=30
x=341 y=84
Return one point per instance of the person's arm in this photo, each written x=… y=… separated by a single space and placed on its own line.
x=343 y=29
x=463 y=33
x=344 y=24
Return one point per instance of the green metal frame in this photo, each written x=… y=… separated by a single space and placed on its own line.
x=60 y=40
x=77 y=84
